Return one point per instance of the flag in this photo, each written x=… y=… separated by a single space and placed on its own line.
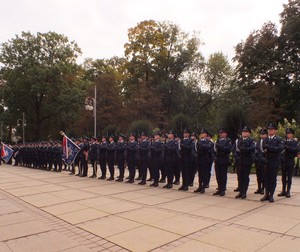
x=70 y=150
x=6 y=152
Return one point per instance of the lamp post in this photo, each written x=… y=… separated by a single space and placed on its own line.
x=23 y=121
x=90 y=104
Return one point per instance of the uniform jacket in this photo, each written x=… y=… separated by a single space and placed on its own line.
x=273 y=148
x=223 y=148
x=205 y=151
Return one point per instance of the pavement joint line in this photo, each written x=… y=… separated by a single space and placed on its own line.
x=41 y=212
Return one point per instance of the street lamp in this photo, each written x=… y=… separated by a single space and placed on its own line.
x=23 y=122
x=90 y=105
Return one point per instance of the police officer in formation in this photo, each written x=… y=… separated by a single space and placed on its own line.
x=244 y=152
x=260 y=161
x=174 y=158
x=222 y=149
x=272 y=147
x=205 y=157
x=291 y=149
x=121 y=148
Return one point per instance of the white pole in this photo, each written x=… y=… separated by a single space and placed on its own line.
x=95 y=113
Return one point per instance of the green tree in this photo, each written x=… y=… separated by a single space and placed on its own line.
x=41 y=78
x=158 y=54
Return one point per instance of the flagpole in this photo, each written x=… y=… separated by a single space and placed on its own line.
x=95 y=112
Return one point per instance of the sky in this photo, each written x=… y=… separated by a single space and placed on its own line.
x=100 y=26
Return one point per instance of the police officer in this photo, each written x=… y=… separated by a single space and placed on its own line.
x=177 y=168
x=121 y=153
x=244 y=150
x=103 y=156
x=194 y=163
x=222 y=149
x=171 y=148
x=93 y=153
x=186 y=148
x=85 y=156
x=132 y=158
x=144 y=146
x=291 y=149
x=156 y=150
x=111 y=157
x=204 y=159
x=272 y=147
x=260 y=162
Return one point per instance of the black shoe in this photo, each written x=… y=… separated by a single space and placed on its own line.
x=191 y=184
x=93 y=176
x=77 y=174
x=257 y=191
x=217 y=193
x=262 y=191
x=202 y=190
x=168 y=186
x=281 y=194
x=138 y=178
x=288 y=195
x=198 y=190
x=128 y=177
x=207 y=186
x=130 y=181
x=102 y=177
x=162 y=181
x=222 y=193
x=265 y=198
x=143 y=182
x=110 y=179
x=236 y=189
x=155 y=184
x=271 y=199
x=150 y=179
x=244 y=196
x=181 y=188
x=119 y=180
x=185 y=188
x=176 y=183
x=238 y=196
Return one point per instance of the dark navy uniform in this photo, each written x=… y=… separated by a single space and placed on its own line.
x=186 y=148
x=260 y=163
x=132 y=158
x=121 y=155
x=194 y=163
x=103 y=158
x=111 y=157
x=272 y=147
x=93 y=154
x=156 y=150
x=84 y=157
x=222 y=149
x=171 y=148
x=144 y=159
x=291 y=149
x=244 y=151
x=205 y=159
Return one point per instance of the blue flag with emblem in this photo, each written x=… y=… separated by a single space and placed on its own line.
x=6 y=152
x=70 y=150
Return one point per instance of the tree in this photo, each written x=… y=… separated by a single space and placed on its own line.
x=259 y=74
x=289 y=46
x=158 y=55
x=42 y=79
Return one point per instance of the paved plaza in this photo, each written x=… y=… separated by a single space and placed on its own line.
x=49 y=211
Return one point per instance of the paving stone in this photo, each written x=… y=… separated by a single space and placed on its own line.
x=143 y=238
x=236 y=239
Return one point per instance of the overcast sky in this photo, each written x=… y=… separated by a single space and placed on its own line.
x=100 y=26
